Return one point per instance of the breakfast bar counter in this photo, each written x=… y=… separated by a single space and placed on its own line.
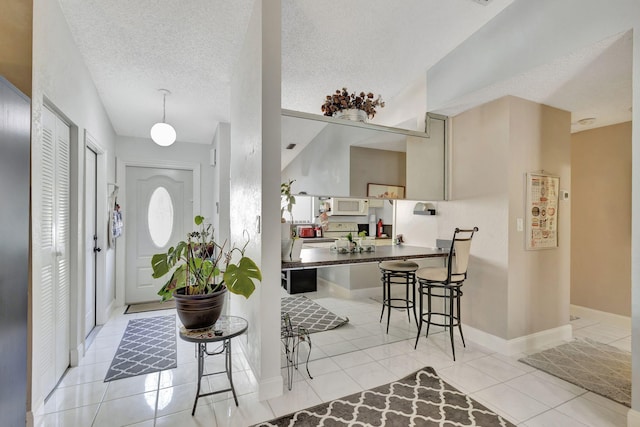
x=324 y=257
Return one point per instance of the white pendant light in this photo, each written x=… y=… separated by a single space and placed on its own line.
x=163 y=133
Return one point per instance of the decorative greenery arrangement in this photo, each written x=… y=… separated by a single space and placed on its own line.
x=342 y=100
x=287 y=199
x=196 y=266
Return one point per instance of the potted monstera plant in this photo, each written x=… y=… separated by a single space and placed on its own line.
x=200 y=272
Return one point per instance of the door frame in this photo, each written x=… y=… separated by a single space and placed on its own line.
x=103 y=306
x=121 y=177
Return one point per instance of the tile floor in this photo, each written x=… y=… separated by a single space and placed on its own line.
x=352 y=358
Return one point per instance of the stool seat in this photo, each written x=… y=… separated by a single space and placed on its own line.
x=400 y=273
x=438 y=274
x=398 y=265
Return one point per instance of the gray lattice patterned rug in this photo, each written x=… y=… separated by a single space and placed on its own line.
x=148 y=345
x=310 y=315
x=599 y=368
x=419 y=399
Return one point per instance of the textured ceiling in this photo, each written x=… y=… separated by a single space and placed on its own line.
x=133 y=48
x=594 y=82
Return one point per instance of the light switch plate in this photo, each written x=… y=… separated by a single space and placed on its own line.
x=519 y=224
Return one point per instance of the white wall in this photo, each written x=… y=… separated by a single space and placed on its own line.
x=222 y=147
x=255 y=187
x=416 y=230
x=322 y=167
x=60 y=76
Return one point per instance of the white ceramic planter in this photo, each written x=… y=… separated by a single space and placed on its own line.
x=352 y=114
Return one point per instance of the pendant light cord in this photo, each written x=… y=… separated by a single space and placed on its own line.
x=164 y=108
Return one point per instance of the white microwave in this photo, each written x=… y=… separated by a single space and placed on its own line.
x=345 y=206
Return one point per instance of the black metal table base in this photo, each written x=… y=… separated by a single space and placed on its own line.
x=201 y=349
x=220 y=334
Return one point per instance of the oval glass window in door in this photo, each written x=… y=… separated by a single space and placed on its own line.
x=160 y=217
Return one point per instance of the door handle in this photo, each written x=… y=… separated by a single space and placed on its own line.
x=97 y=249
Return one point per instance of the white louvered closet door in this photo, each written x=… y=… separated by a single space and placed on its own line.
x=55 y=275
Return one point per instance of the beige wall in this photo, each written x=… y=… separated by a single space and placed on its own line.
x=539 y=280
x=510 y=292
x=15 y=43
x=479 y=197
x=601 y=219
x=370 y=165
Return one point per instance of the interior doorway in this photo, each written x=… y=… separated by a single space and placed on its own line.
x=91 y=239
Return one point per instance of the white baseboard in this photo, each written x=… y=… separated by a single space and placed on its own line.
x=76 y=354
x=520 y=344
x=108 y=312
x=633 y=418
x=268 y=388
x=600 y=316
x=333 y=289
x=364 y=293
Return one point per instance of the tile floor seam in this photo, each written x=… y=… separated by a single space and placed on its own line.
x=537 y=400
x=95 y=415
x=155 y=409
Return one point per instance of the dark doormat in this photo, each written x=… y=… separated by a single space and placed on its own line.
x=148 y=345
x=150 y=306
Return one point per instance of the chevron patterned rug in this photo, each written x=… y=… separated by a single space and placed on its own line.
x=599 y=368
x=148 y=345
x=310 y=315
x=419 y=399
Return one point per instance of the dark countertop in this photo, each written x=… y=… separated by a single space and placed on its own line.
x=323 y=257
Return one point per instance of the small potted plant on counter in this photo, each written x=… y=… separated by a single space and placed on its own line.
x=352 y=106
x=201 y=272
x=290 y=244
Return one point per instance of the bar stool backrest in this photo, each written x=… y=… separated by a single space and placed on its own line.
x=460 y=247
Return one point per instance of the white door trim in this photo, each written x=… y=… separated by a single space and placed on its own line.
x=121 y=177
x=103 y=306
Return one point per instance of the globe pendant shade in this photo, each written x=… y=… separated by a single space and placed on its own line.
x=163 y=134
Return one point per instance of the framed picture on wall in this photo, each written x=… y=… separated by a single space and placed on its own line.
x=385 y=191
x=541 y=211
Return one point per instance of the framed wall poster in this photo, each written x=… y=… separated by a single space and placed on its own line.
x=384 y=191
x=541 y=224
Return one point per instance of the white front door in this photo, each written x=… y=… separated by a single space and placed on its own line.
x=91 y=242
x=158 y=214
